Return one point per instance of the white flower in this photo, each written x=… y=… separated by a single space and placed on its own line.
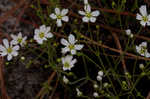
x=60 y=16
x=18 y=39
x=42 y=34
x=143 y=16
x=142 y=49
x=65 y=80
x=68 y=62
x=8 y=49
x=99 y=78
x=79 y=93
x=128 y=32
x=100 y=73
x=88 y=15
x=95 y=94
x=70 y=45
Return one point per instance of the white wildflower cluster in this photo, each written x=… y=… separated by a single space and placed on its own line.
x=142 y=49
x=143 y=17
x=61 y=15
x=100 y=75
x=70 y=46
x=10 y=49
x=128 y=33
x=89 y=16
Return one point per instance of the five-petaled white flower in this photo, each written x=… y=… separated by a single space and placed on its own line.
x=8 y=49
x=60 y=16
x=142 y=49
x=42 y=34
x=143 y=16
x=70 y=45
x=18 y=39
x=68 y=62
x=88 y=15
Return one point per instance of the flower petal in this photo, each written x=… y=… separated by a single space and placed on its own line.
x=9 y=57
x=78 y=47
x=95 y=13
x=20 y=35
x=147 y=55
x=148 y=23
x=138 y=16
x=13 y=36
x=65 y=18
x=14 y=53
x=64 y=12
x=87 y=8
x=143 y=10
x=143 y=23
x=148 y=17
x=144 y=44
x=64 y=42
x=4 y=53
x=40 y=41
x=14 y=42
x=65 y=50
x=92 y=19
x=42 y=28
x=85 y=19
x=36 y=31
x=49 y=35
x=81 y=12
x=73 y=61
x=53 y=16
x=71 y=39
x=16 y=47
x=59 y=23
x=5 y=42
x=48 y=29
x=2 y=48
x=68 y=58
x=57 y=11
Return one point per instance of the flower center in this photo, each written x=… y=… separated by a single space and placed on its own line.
x=9 y=50
x=19 y=40
x=145 y=19
x=71 y=46
x=59 y=17
x=143 y=49
x=66 y=65
x=88 y=15
x=41 y=35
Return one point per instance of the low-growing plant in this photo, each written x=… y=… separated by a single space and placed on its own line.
x=93 y=49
